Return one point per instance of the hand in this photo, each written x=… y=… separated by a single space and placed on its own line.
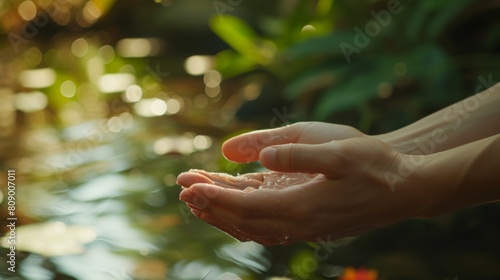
x=247 y=147
x=246 y=182
x=349 y=194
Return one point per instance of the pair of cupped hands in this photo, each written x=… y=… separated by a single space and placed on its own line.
x=324 y=181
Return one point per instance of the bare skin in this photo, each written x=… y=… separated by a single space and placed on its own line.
x=343 y=182
x=280 y=215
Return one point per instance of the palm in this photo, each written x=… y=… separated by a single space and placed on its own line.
x=248 y=182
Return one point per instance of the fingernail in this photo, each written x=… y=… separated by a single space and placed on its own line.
x=195 y=212
x=186 y=196
x=192 y=206
x=268 y=155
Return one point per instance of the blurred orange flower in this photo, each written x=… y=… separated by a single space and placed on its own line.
x=358 y=274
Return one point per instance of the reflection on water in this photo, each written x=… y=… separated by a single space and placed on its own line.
x=109 y=208
x=97 y=135
x=52 y=238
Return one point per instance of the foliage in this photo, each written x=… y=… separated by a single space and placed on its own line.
x=338 y=55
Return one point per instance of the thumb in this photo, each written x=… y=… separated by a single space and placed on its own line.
x=305 y=158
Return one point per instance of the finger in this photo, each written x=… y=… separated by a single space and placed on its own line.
x=186 y=179
x=253 y=180
x=259 y=203
x=238 y=235
x=220 y=225
x=208 y=202
x=240 y=182
x=246 y=147
x=253 y=215
x=306 y=158
x=270 y=226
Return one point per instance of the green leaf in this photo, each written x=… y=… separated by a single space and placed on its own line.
x=446 y=15
x=418 y=17
x=237 y=34
x=421 y=61
x=230 y=63
x=356 y=90
x=320 y=46
x=316 y=78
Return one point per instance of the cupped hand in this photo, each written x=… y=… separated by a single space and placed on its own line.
x=350 y=193
x=246 y=182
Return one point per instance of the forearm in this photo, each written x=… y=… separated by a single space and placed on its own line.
x=471 y=119
x=462 y=176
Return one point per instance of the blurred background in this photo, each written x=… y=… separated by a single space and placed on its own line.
x=103 y=103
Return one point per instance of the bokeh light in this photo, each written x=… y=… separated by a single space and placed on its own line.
x=212 y=78
x=80 y=47
x=201 y=101
x=150 y=107
x=107 y=54
x=91 y=12
x=115 y=124
x=113 y=83
x=308 y=29
x=197 y=65
x=252 y=91
x=202 y=142
x=68 y=88
x=212 y=91
x=29 y=102
x=33 y=56
x=385 y=90
x=174 y=144
x=37 y=78
x=27 y=10
x=158 y=107
x=174 y=105
x=95 y=68
x=139 y=47
x=133 y=94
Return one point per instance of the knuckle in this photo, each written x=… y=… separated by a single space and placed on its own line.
x=334 y=163
x=292 y=157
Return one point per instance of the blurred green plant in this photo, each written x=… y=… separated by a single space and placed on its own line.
x=339 y=55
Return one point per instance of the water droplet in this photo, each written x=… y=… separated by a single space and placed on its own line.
x=285 y=240
x=249 y=189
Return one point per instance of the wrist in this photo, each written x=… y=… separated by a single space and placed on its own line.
x=460 y=177
x=410 y=181
x=436 y=185
x=393 y=140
